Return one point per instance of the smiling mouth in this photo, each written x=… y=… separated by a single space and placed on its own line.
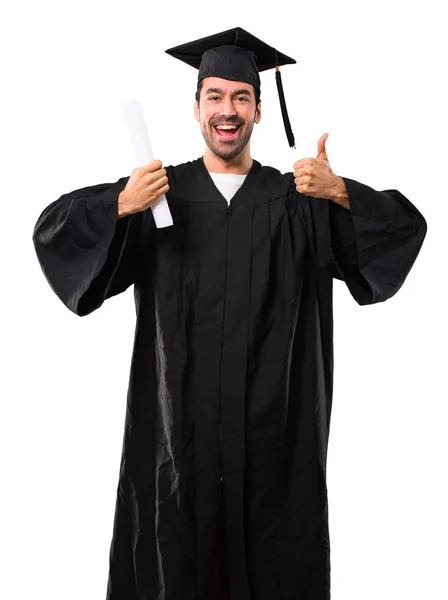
x=227 y=132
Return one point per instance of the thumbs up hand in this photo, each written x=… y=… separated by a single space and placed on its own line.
x=314 y=177
x=321 y=150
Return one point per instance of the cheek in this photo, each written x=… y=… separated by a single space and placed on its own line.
x=205 y=117
x=249 y=115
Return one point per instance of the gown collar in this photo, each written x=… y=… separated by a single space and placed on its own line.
x=248 y=187
x=192 y=182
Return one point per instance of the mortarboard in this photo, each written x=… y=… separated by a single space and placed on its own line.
x=236 y=55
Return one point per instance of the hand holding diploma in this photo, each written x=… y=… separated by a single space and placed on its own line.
x=145 y=187
x=148 y=184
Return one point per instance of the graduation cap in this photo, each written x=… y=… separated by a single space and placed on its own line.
x=236 y=55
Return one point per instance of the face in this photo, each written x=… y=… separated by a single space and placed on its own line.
x=226 y=113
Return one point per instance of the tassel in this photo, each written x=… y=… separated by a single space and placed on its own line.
x=289 y=133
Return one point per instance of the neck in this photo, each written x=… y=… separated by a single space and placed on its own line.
x=240 y=165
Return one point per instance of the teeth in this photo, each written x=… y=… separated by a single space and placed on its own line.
x=227 y=127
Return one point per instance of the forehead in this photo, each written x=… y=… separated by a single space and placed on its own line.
x=226 y=85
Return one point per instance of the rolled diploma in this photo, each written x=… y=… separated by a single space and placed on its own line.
x=135 y=121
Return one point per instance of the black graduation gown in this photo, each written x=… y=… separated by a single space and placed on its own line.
x=232 y=369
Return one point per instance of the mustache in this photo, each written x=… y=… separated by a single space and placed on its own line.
x=229 y=121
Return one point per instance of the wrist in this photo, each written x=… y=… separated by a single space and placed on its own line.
x=121 y=207
x=339 y=193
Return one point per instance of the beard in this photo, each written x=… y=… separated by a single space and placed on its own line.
x=227 y=150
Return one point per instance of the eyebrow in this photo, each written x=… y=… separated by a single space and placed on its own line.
x=220 y=91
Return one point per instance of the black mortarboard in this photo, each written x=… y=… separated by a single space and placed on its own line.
x=236 y=55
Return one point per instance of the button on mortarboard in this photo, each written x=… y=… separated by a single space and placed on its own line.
x=236 y=55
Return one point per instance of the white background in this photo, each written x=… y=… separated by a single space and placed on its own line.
x=371 y=75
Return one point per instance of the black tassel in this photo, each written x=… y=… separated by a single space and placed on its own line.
x=289 y=133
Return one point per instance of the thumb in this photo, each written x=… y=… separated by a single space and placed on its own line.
x=321 y=151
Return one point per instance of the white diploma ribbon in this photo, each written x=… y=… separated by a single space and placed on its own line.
x=135 y=121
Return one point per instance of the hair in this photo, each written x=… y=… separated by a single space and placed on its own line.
x=199 y=88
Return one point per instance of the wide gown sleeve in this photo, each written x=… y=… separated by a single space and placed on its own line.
x=86 y=253
x=372 y=246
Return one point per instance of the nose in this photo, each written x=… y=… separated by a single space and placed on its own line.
x=227 y=108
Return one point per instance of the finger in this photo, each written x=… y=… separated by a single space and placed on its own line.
x=303 y=189
x=150 y=178
x=160 y=192
x=160 y=182
x=152 y=166
x=155 y=186
x=303 y=162
x=321 y=151
x=302 y=180
x=301 y=171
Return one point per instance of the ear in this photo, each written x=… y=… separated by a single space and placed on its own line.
x=196 y=111
x=258 y=113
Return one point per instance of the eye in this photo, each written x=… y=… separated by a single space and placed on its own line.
x=243 y=98
x=213 y=98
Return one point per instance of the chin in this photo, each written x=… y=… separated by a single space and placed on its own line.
x=230 y=154
x=226 y=152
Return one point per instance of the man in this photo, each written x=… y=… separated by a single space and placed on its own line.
x=230 y=392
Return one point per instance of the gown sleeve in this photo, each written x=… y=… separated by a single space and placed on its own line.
x=372 y=246
x=86 y=253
